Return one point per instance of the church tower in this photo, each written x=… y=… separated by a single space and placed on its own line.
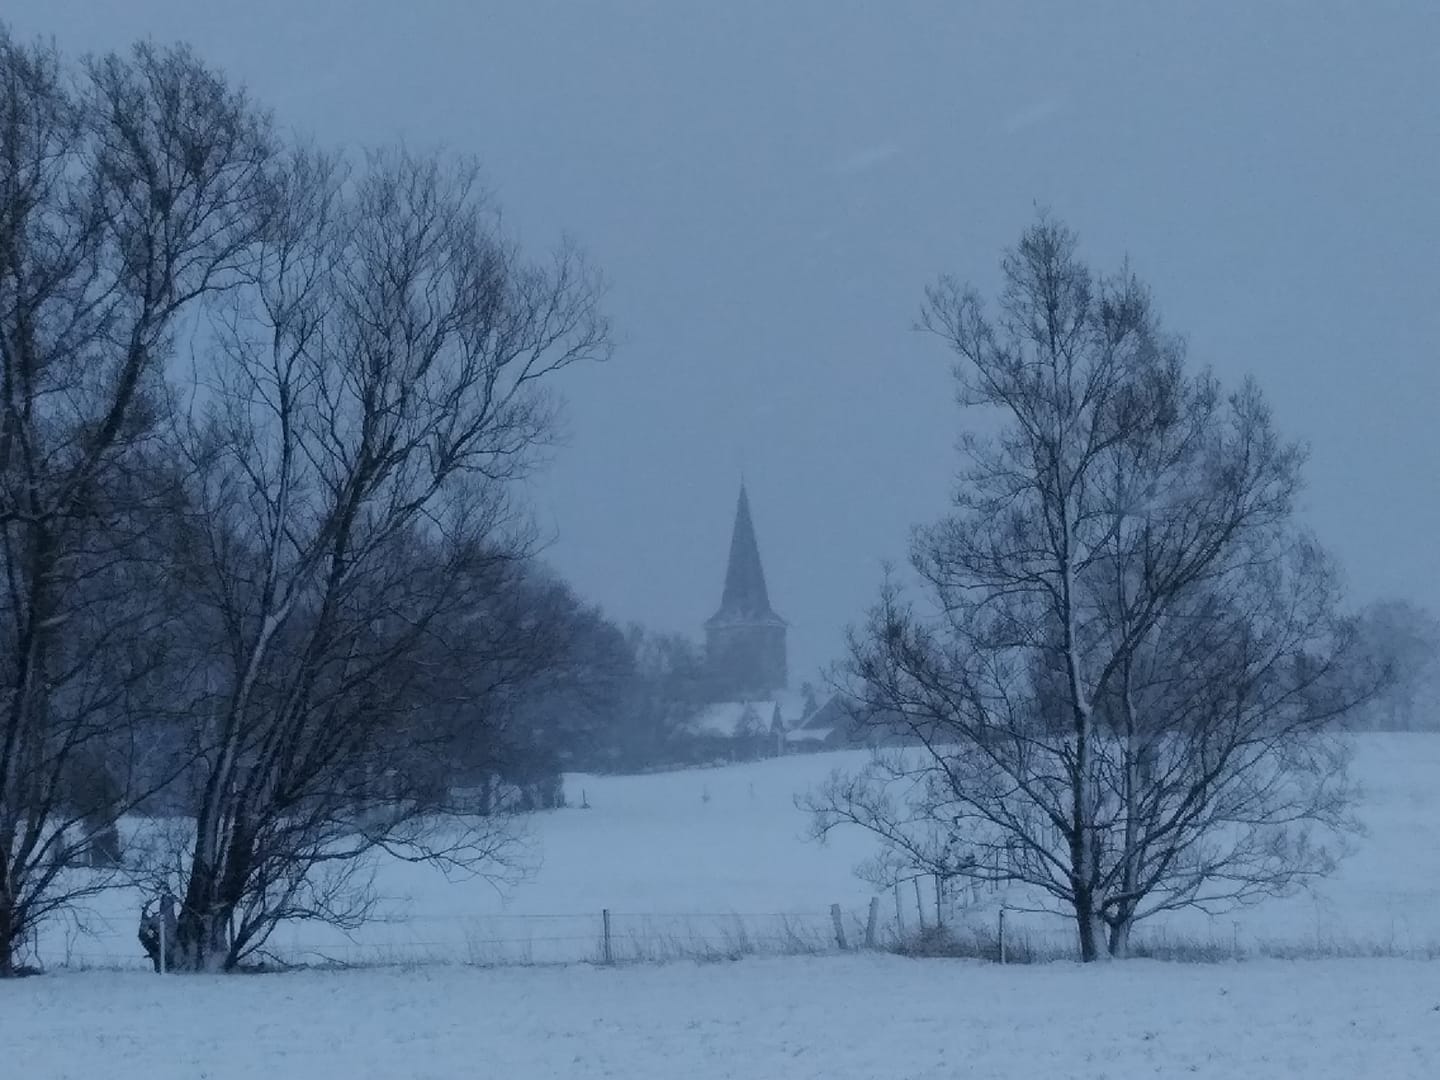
x=745 y=639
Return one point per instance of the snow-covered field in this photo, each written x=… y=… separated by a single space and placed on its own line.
x=838 y=1018
x=709 y=858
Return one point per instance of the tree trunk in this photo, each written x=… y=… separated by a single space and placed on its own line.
x=1135 y=750
x=1092 y=929
x=201 y=927
x=1120 y=938
x=7 y=931
x=1088 y=950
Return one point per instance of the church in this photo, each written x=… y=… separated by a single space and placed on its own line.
x=752 y=711
x=745 y=639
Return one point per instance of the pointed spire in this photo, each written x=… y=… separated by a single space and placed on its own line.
x=745 y=596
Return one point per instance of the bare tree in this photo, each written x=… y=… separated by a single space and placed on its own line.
x=377 y=388
x=129 y=190
x=668 y=691
x=1403 y=640
x=1119 y=695
x=567 y=715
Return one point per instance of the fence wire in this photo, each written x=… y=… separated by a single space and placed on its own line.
x=917 y=917
x=507 y=939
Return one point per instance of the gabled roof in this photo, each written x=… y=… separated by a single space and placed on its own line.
x=725 y=718
x=833 y=712
x=745 y=599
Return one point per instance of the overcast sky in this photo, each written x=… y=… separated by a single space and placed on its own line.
x=769 y=186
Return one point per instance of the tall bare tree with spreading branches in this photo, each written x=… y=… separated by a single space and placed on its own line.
x=130 y=191
x=1119 y=693
x=377 y=388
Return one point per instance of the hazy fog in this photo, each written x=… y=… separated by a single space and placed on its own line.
x=769 y=187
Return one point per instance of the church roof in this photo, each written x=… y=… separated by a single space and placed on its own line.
x=745 y=599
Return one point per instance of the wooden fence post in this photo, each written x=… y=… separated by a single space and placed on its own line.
x=1002 y=935
x=169 y=926
x=870 y=923
x=899 y=914
x=839 y=925
x=919 y=904
x=605 y=922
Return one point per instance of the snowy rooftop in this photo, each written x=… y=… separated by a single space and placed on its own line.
x=727 y=719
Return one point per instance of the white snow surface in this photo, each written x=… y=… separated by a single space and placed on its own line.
x=864 y=1017
x=698 y=856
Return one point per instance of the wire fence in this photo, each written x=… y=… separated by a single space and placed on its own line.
x=918 y=916
x=603 y=936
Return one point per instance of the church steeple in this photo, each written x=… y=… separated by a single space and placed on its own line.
x=745 y=595
x=745 y=639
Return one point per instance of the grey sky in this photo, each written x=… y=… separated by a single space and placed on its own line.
x=769 y=186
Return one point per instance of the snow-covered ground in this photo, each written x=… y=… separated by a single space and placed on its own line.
x=707 y=857
x=837 y=1018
